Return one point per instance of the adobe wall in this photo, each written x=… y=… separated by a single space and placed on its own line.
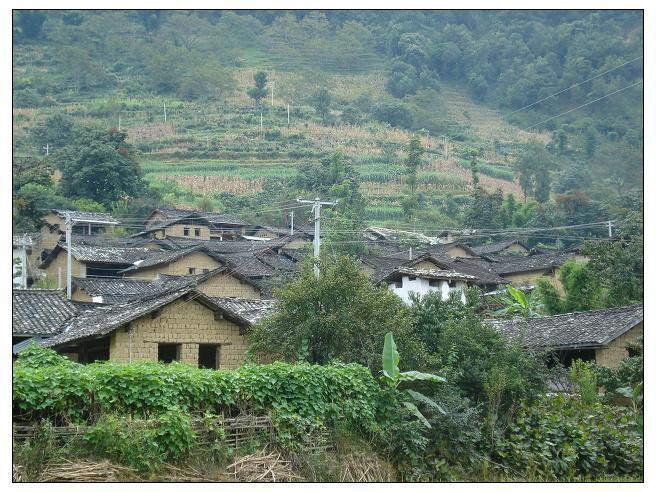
x=612 y=355
x=187 y=323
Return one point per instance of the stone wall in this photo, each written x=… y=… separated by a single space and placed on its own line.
x=612 y=355
x=187 y=323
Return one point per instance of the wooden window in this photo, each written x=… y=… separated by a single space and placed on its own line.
x=185 y=231
x=433 y=283
x=168 y=352
x=192 y=271
x=197 y=232
x=398 y=284
x=208 y=356
x=411 y=278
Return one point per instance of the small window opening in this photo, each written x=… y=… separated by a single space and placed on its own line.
x=192 y=271
x=208 y=356
x=168 y=352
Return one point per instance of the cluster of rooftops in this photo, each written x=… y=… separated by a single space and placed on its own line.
x=121 y=279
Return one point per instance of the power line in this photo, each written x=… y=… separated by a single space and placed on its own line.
x=575 y=85
x=584 y=105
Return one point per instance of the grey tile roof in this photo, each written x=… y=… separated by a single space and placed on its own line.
x=40 y=312
x=254 y=310
x=496 y=247
x=504 y=265
x=214 y=218
x=430 y=274
x=247 y=264
x=104 y=240
x=105 y=319
x=21 y=240
x=92 y=217
x=572 y=330
x=116 y=289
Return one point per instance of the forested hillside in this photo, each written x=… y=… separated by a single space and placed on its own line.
x=239 y=111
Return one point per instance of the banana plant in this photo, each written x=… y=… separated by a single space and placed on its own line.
x=636 y=395
x=519 y=303
x=392 y=376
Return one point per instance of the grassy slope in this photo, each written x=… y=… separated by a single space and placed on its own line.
x=213 y=147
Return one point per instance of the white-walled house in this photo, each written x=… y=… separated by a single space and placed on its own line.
x=402 y=281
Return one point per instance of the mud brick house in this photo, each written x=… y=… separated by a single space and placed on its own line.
x=187 y=261
x=183 y=325
x=407 y=281
x=87 y=223
x=600 y=335
x=193 y=224
x=39 y=313
x=509 y=247
x=90 y=261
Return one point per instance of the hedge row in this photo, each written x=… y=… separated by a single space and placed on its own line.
x=45 y=385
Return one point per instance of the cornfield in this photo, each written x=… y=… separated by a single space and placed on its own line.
x=217 y=184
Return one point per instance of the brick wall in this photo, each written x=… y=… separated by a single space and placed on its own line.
x=225 y=285
x=197 y=260
x=77 y=269
x=177 y=230
x=612 y=355
x=186 y=323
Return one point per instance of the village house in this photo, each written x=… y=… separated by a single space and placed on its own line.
x=22 y=265
x=89 y=261
x=194 y=224
x=406 y=282
x=183 y=325
x=600 y=335
x=86 y=223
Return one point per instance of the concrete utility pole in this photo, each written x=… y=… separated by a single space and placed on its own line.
x=291 y=227
x=610 y=228
x=69 y=228
x=316 y=206
x=47 y=148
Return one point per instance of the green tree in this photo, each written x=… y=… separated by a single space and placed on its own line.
x=31 y=22
x=98 y=165
x=413 y=162
x=339 y=316
x=258 y=92
x=396 y=114
x=484 y=210
x=321 y=103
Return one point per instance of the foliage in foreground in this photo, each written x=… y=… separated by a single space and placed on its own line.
x=71 y=392
x=561 y=438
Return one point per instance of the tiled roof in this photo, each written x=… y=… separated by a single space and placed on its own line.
x=247 y=264
x=92 y=217
x=430 y=274
x=105 y=319
x=116 y=289
x=104 y=240
x=162 y=257
x=20 y=240
x=254 y=310
x=572 y=330
x=39 y=312
x=503 y=265
x=493 y=248
x=214 y=218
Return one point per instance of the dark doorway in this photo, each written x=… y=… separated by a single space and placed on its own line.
x=208 y=356
x=168 y=352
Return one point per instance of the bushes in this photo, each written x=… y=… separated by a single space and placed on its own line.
x=559 y=438
x=67 y=391
x=143 y=444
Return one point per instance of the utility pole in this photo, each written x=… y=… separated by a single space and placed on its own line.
x=69 y=227
x=610 y=228
x=119 y=122
x=47 y=148
x=272 y=84
x=316 y=206
x=291 y=227
x=164 y=111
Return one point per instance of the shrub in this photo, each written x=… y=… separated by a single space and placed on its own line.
x=559 y=438
x=74 y=392
x=143 y=444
